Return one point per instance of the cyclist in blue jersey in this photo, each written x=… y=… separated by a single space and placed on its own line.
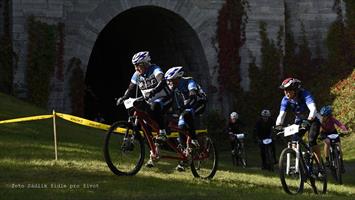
x=302 y=104
x=189 y=100
x=150 y=80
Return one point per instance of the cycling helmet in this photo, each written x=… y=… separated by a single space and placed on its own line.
x=290 y=84
x=141 y=57
x=326 y=111
x=234 y=115
x=265 y=113
x=174 y=72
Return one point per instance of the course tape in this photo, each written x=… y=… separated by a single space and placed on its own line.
x=84 y=122
x=23 y=119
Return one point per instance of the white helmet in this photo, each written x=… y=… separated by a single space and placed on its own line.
x=174 y=72
x=265 y=113
x=141 y=57
x=234 y=115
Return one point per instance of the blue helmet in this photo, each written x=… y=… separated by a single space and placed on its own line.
x=326 y=111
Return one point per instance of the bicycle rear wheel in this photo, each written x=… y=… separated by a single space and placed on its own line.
x=204 y=159
x=291 y=172
x=124 y=155
x=319 y=178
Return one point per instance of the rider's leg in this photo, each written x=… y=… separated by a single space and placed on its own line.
x=312 y=138
x=157 y=111
x=273 y=152
x=326 y=149
x=186 y=121
x=262 y=155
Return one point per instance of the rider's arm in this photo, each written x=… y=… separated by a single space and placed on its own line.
x=131 y=86
x=312 y=111
x=310 y=104
x=280 y=119
x=129 y=90
x=340 y=125
x=161 y=83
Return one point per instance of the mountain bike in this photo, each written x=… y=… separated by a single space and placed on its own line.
x=335 y=157
x=299 y=165
x=238 y=151
x=124 y=148
x=269 y=153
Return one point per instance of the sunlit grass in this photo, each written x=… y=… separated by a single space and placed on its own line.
x=27 y=157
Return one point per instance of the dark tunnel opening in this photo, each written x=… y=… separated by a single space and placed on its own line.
x=170 y=40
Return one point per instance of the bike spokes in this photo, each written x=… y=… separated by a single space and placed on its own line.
x=318 y=178
x=291 y=172
x=124 y=154
x=204 y=159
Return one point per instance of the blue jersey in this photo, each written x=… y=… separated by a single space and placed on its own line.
x=186 y=84
x=298 y=105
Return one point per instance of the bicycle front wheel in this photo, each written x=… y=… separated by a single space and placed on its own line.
x=124 y=153
x=204 y=159
x=336 y=165
x=291 y=172
x=242 y=156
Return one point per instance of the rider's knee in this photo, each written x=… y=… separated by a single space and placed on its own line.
x=156 y=107
x=327 y=141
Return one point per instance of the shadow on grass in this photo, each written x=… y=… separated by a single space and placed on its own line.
x=62 y=182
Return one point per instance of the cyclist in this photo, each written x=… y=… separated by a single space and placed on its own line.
x=150 y=80
x=234 y=127
x=328 y=123
x=263 y=130
x=189 y=100
x=300 y=102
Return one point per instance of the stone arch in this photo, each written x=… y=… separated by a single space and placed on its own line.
x=190 y=28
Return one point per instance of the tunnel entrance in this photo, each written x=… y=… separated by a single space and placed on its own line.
x=170 y=40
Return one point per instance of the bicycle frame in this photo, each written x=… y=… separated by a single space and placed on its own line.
x=295 y=145
x=146 y=122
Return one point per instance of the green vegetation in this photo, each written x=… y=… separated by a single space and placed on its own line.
x=27 y=160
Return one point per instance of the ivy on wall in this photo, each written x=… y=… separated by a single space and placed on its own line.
x=77 y=86
x=41 y=60
x=266 y=78
x=6 y=53
x=60 y=52
x=231 y=24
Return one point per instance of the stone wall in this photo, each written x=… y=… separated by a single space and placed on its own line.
x=85 y=19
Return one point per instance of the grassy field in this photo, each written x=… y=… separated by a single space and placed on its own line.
x=28 y=169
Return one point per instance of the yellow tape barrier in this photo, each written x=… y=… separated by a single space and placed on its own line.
x=23 y=119
x=81 y=121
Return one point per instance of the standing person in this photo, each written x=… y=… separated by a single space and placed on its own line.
x=263 y=130
x=150 y=80
x=189 y=100
x=328 y=123
x=234 y=127
x=302 y=104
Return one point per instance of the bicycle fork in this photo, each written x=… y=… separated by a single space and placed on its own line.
x=295 y=147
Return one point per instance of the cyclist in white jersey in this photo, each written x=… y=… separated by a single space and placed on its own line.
x=150 y=80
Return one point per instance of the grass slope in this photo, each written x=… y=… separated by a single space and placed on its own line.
x=28 y=169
